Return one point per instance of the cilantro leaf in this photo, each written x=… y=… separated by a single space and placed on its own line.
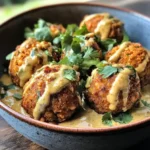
x=91 y=53
x=18 y=96
x=75 y=59
x=123 y=118
x=57 y=40
x=41 y=23
x=146 y=104
x=28 y=33
x=70 y=74
x=107 y=71
x=71 y=28
x=107 y=119
x=66 y=40
x=43 y=34
x=10 y=56
x=81 y=31
x=125 y=37
x=86 y=64
x=108 y=44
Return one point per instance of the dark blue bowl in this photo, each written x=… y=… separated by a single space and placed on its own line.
x=55 y=137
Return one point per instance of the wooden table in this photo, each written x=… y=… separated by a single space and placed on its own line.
x=12 y=140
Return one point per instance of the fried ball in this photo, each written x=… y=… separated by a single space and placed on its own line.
x=104 y=26
x=116 y=93
x=56 y=29
x=28 y=57
x=49 y=96
x=133 y=54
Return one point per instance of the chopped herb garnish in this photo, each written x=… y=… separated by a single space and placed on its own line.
x=146 y=104
x=107 y=71
x=28 y=33
x=125 y=37
x=43 y=34
x=70 y=74
x=71 y=28
x=18 y=96
x=123 y=118
x=90 y=53
x=81 y=31
x=107 y=119
x=10 y=56
x=108 y=44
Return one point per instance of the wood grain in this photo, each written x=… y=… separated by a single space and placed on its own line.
x=12 y=140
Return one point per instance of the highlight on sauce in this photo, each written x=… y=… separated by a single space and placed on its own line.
x=89 y=75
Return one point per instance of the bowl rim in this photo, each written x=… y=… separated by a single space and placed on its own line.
x=55 y=127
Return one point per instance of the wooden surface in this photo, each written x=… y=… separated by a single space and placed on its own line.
x=12 y=140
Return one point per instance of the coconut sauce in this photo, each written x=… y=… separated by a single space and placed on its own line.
x=83 y=119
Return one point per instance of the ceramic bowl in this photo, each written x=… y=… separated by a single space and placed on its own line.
x=55 y=137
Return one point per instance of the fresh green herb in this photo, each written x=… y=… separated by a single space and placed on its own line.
x=71 y=28
x=38 y=94
x=7 y=87
x=57 y=40
x=90 y=53
x=75 y=45
x=146 y=104
x=133 y=69
x=11 y=86
x=50 y=58
x=123 y=118
x=70 y=74
x=18 y=96
x=65 y=61
x=86 y=64
x=107 y=71
x=43 y=34
x=125 y=37
x=66 y=40
x=41 y=23
x=10 y=56
x=75 y=59
x=28 y=33
x=81 y=31
x=108 y=44
x=107 y=119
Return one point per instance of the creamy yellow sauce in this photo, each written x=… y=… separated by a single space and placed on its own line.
x=141 y=67
x=26 y=69
x=121 y=83
x=85 y=118
x=103 y=27
x=117 y=54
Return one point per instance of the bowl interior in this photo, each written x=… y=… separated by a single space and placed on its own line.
x=12 y=31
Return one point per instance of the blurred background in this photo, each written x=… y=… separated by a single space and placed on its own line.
x=9 y=8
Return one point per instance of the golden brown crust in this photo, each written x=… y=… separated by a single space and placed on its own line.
x=99 y=88
x=22 y=51
x=133 y=55
x=62 y=105
x=116 y=30
x=56 y=29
